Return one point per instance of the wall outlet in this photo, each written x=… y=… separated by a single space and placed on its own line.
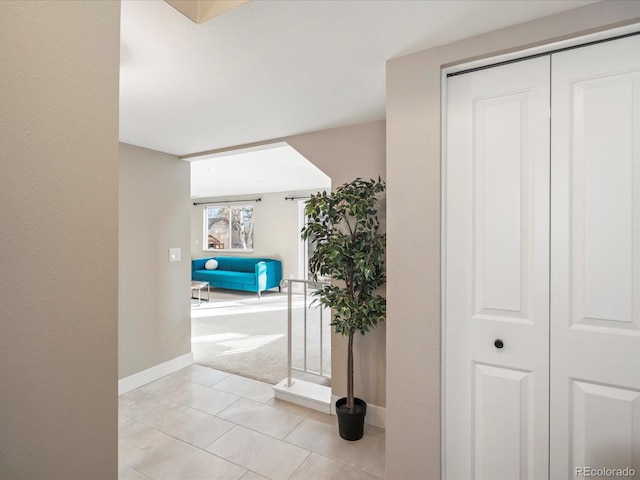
x=175 y=255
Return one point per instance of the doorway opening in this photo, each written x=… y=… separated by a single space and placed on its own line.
x=241 y=331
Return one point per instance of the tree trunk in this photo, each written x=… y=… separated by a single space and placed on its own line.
x=350 y=396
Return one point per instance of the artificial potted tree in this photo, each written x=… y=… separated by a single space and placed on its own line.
x=350 y=249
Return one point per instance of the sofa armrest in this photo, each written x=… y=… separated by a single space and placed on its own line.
x=261 y=275
x=268 y=274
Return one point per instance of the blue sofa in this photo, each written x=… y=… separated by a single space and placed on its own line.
x=239 y=273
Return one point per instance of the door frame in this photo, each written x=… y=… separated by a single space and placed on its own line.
x=489 y=61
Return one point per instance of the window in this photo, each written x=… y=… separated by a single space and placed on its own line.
x=228 y=227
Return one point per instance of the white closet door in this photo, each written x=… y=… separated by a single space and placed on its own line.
x=497 y=273
x=595 y=258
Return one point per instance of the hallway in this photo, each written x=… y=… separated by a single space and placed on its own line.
x=201 y=423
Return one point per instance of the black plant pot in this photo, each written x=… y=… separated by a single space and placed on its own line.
x=351 y=424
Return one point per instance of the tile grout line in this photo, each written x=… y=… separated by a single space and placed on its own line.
x=180 y=439
x=301 y=463
x=292 y=429
x=309 y=452
x=225 y=459
x=302 y=419
x=238 y=397
x=305 y=414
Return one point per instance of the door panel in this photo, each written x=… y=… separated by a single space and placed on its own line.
x=501 y=205
x=502 y=448
x=603 y=177
x=605 y=425
x=595 y=258
x=497 y=273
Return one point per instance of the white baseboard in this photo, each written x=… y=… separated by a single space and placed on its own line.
x=154 y=373
x=376 y=416
x=306 y=394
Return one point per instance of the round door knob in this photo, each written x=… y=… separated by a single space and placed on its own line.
x=498 y=343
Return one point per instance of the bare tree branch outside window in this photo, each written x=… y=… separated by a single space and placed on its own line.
x=229 y=227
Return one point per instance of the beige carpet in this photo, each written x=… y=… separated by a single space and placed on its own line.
x=238 y=333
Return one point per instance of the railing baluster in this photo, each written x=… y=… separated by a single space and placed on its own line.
x=289 y=308
x=290 y=366
x=321 y=322
x=305 y=326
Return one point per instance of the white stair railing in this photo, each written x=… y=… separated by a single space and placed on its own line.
x=303 y=286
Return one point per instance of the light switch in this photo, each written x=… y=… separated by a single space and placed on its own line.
x=175 y=255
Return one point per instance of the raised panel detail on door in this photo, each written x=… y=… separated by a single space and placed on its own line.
x=595 y=258
x=497 y=273
x=605 y=212
x=503 y=448
x=501 y=186
x=605 y=426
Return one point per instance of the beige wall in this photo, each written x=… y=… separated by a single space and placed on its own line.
x=276 y=229
x=154 y=313
x=341 y=153
x=413 y=174
x=58 y=217
x=345 y=153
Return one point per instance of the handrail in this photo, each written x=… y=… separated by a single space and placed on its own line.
x=288 y=283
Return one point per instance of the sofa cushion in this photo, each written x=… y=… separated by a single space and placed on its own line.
x=211 y=264
x=226 y=277
x=237 y=264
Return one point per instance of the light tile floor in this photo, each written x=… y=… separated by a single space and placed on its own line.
x=200 y=423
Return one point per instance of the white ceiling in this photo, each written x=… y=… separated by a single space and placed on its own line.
x=274 y=168
x=272 y=68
